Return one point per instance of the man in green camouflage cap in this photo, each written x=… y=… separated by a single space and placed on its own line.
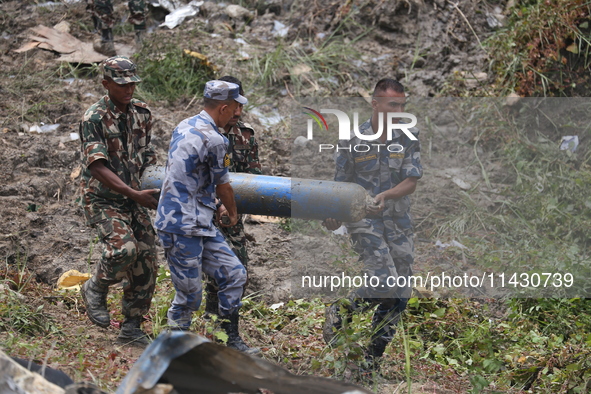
x=115 y=135
x=104 y=19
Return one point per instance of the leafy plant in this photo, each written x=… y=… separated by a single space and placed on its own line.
x=544 y=49
x=170 y=72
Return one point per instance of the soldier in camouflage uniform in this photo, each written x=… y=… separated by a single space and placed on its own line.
x=243 y=151
x=197 y=173
x=103 y=19
x=115 y=135
x=384 y=239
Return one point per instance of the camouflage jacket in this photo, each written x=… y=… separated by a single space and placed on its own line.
x=123 y=140
x=380 y=167
x=197 y=162
x=243 y=149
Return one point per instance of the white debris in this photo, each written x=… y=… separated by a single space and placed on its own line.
x=177 y=17
x=243 y=55
x=279 y=29
x=493 y=21
x=461 y=183
x=44 y=128
x=276 y=306
x=569 y=142
x=447 y=245
x=267 y=118
x=168 y=5
x=340 y=231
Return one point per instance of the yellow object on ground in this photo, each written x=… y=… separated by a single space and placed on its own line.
x=72 y=280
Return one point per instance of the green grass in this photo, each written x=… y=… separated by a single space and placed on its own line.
x=168 y=73
x=307 y=68
x=536 y=344
x=543 y=50
x=537 y=221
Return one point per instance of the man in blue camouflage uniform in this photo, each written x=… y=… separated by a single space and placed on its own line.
x=115 y=134
x=103 y=19
x=384 y=239
x=197 y=173
x=243 y=151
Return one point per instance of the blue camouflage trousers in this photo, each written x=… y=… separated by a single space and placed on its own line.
x=387 y=252
x=188 y=257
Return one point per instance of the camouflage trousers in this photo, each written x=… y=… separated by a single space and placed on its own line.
x=387 y=252
x=188 y=258
x=103 y=13
x=129 y=255
x=236 y=238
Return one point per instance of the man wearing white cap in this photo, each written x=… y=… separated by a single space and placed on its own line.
x=195 y=181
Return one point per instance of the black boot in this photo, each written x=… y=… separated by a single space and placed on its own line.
x=132 y=334
x=230 y=326
x=95 y=300
x=333 y=321
x=105 y=45
x=374 y=353
x=211 y=299
x=139 y=37
x=96 y=23
x=383 y=324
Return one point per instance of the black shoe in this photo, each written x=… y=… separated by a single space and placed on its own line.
x=105 y=45
x=95 y=300
x=371 y=369
x=230 y=326
x=211 y=303
x=333 y=322
x=106 y=48
x=132 y=334
x=373 y=356
x=139 y=37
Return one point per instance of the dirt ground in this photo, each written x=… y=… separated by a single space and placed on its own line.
x=429 y=45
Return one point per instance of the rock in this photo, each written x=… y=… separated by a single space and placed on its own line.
x=6 y=293
x=238 y=12
x=209 y=9
x=300 y=69
x=493 y=20
x=512 y=99
x=472 y=80
x=301 y=141
x=63 y=27
x=461 y=183
x=419 y=62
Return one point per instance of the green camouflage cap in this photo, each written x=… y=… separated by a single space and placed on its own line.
x=120 y=69
x=222 y=90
